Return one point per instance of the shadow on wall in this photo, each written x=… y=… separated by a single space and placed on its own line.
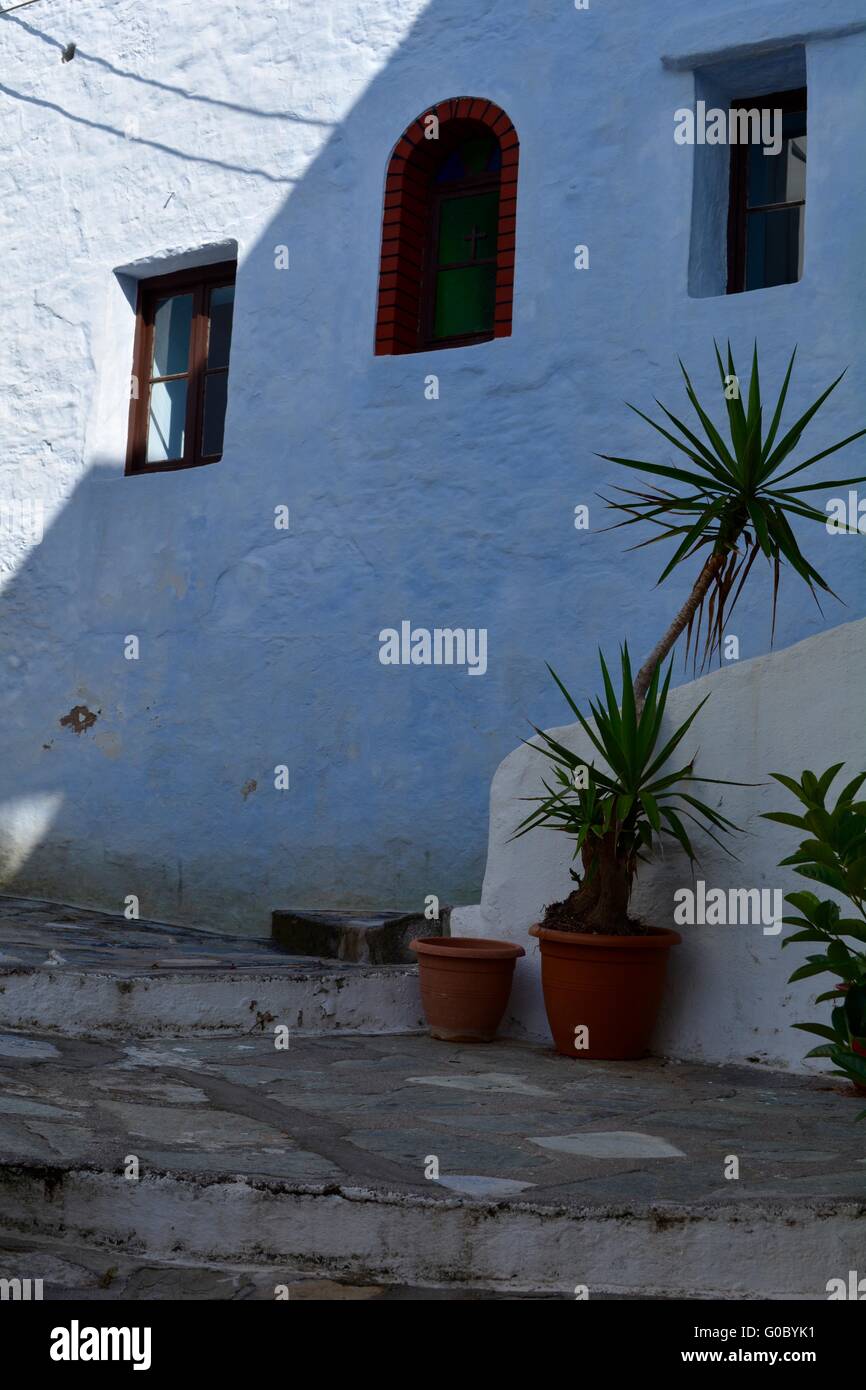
x=259 y=648
x=129 y=132
x=153 y=774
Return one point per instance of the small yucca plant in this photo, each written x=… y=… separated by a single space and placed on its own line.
x=615 y=811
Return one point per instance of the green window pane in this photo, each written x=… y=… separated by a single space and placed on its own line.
x=215 y=396
x=166 y=420
x=465 y=301
x=172 y=324
x=222 y=302
x=467 y=228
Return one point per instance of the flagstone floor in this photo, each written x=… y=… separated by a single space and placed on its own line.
x=201 y=1156
x=426 y=1117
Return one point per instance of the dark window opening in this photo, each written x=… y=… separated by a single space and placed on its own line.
x=180 y=369
x=767 y=212
x=459 y=297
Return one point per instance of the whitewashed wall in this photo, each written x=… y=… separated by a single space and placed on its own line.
x=727 y=997
x=181 y=126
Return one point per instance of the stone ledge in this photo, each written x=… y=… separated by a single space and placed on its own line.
x=508 y=1247
x=377 y=938
x=90 y=974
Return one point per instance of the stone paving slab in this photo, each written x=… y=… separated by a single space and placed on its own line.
x=547 y=1167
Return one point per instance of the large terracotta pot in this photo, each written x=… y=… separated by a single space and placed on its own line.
x=611 y=985
x=465 y=984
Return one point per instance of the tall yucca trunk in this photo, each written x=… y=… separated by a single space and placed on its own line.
x=686 y=614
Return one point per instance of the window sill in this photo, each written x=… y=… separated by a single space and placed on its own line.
x=169 y=467
x=738 y=294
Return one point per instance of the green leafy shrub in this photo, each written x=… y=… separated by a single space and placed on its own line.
x=832 y=853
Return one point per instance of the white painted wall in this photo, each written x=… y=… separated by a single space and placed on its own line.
x=182 y=125
x=727 y=998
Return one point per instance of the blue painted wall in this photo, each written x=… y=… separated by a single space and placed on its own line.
x=260 y=647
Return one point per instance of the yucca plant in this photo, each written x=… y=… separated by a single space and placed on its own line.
x=738 y=503
x=833 y=853
x=616 y=811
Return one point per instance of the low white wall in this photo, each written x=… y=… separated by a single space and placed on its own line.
x=727 y=998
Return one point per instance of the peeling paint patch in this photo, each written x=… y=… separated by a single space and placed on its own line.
x=248 y=787
x=78 y=719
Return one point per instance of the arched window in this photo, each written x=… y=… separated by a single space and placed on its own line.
x=447 y=269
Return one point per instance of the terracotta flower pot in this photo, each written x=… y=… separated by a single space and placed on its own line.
x=611 y=985
x=465 y=984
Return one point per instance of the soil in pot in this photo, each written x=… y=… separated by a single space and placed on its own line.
x=465 y=984
x=602 y=993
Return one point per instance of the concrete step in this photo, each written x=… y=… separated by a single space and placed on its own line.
x=89 y=974
x=86 y=1273
x=415 y=1164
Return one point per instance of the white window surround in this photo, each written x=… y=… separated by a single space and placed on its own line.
x=184 y=258
x=718 y=83
x=113 y=339
x=766 y=30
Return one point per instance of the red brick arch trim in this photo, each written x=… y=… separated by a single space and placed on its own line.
x=405 y=227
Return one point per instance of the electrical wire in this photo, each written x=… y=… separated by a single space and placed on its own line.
x=22 y=5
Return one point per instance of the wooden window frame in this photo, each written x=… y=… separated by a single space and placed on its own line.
x=467 y=187
x=199 y=281
x=738 y=203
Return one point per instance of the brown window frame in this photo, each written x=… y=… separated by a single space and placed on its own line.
x=738 y=208
x=467 y=187
x=200 y=281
